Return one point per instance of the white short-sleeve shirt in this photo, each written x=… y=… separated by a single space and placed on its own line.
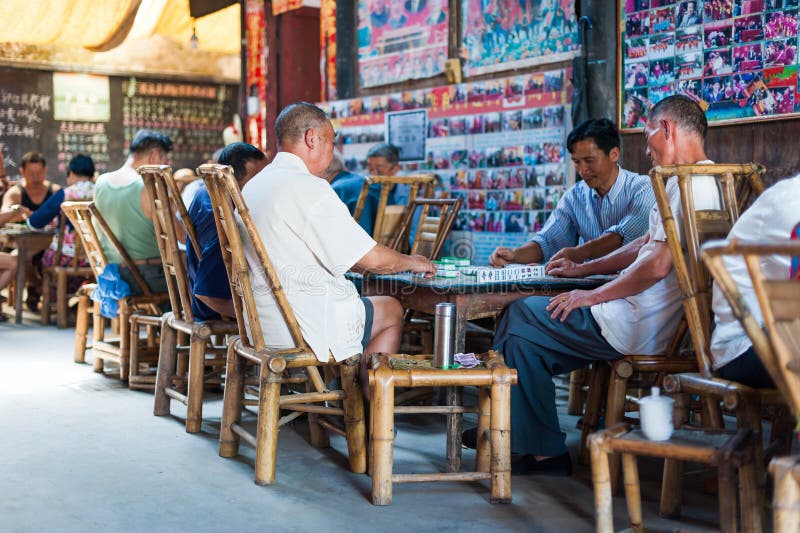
x=312 y=240
x=646 y=322
x=771 y=217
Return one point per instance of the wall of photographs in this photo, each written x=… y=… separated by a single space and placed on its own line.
x=497 y=144
x=738 y=57
x=501 y=35
x=401 y=40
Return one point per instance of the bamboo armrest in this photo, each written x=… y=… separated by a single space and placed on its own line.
x=731 y=393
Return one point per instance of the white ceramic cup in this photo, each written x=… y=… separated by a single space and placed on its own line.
x=655 y=412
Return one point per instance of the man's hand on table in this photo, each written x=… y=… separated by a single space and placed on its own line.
x=422 y=265
x=562 y=305
x=15 y=213
x=501 y=257
x=565 y=268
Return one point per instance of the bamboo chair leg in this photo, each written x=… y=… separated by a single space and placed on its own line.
x=194 y=404
x=484 y=449
x=62 y=307
x=576 y=394
x=98 y=335
x=750 y=501
x=748 y=416
x=382 y=438
x=615 y=410
x=727 y=497
x=786 y=501
x=598 y=387
x=45 y=317
x=354 y=426
x=501 y=438
x=633 y=496
x=81 y=328
x=167 y=358
x=133 y=353
x=671 y=481
x=604 y=515
x=317 y=434
x=267 y=426
x=233 y=401
x=125 y=331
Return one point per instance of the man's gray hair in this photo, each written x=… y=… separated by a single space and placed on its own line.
x=389 y=151
x=296 y=119
x=682 y=110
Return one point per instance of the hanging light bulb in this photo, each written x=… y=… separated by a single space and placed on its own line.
x=193 y=40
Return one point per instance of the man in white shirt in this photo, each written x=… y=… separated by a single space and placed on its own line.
x=312 y=241
x=638 y=312
x=771 y=218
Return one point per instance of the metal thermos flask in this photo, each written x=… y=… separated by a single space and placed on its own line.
x=443 y=335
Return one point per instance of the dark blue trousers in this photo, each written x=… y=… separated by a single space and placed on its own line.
x=539 y=347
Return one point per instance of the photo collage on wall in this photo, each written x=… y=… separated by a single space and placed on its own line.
x=497 y=144
x=737 y=57
x=499 y=35
x=401 y=40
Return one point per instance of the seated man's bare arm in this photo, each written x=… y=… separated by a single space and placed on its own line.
x=222 y=306
x=612 y=263
x=383 y=260
x=529 y=252
x=650 y=270
x=599 y=247
x=11 y=197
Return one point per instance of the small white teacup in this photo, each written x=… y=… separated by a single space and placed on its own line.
x=655 y=412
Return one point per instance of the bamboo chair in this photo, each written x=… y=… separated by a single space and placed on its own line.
x=493 y=379
x=206 y=361
x=250 y=347
x=388 y=217
x=634 y=371
x=59 y=275
x=777 y=344
x=736 y=185
x=128 y=350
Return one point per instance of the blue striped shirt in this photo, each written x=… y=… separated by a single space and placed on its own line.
x=583 y=215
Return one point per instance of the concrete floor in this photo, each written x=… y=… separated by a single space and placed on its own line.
x=80 y=452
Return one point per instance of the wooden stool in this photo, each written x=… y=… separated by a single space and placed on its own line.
x=493 y=459
x=728 y=451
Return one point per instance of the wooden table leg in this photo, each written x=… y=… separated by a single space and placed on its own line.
x=22 y=264
x=455 y=395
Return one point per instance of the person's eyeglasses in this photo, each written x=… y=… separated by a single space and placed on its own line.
x=648 y=134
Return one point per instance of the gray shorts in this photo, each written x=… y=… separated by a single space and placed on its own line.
x=369 y=312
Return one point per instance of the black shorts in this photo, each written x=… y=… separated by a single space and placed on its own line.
x=369 y=312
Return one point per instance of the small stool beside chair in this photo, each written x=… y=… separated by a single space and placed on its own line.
x=493 y=379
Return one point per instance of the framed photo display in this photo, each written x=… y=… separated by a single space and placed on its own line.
x=737 y=58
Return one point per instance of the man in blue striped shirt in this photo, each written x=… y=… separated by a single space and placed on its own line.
x=608 y=209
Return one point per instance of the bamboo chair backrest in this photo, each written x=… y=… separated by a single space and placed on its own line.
x=87 y=221
x=165 y=200
x=227 y=200
x=385 y=228
x=777 y=342
x=736 y=186
x=78 y=252
x=433 y=228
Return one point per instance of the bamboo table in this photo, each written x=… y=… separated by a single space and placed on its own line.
x=27 y=243
x=472 y=300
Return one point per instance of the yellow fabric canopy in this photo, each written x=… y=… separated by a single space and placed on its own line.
x=100 y=25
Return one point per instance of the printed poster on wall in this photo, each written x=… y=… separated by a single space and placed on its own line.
x=738 y=58
x=407 y=131
x=496 y=144
x=509 y=34
x=401 y=40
